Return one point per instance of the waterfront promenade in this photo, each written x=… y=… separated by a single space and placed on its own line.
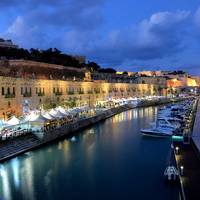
x=14 y=147
x=196 y=128
x=188 y=157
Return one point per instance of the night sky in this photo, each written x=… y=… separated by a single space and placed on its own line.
x=128 y=35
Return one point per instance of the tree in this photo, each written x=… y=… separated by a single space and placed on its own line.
x=93 y=66
x=107 y=70
x=125 y=73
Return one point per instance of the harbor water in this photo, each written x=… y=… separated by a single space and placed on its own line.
x=110 y=160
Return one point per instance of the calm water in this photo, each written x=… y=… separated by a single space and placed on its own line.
x=108 y=161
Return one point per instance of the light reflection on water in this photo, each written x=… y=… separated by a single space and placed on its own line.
x=106 y=159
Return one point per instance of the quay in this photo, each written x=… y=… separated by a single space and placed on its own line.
x=188 y=160
x=22 y=144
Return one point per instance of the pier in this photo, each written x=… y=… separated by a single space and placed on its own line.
x=188 y=161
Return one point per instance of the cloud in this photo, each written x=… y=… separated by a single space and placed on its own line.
x=53 y=19
x=23 y=34
x=157 y=37
x=77 y=27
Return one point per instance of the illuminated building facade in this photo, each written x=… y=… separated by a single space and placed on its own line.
x=38 y=93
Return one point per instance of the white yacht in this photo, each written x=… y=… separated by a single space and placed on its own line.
x=167 y=122
x=158 y=132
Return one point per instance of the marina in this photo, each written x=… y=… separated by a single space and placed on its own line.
x=77 y=169
x=45 y=130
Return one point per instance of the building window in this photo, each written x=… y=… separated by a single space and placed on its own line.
x=30 y=91
x=2 y=91
x=36 y=90
x=9 y=105
x=8 y=90
x=22 y=90
x=54 y=90
x=14 y=90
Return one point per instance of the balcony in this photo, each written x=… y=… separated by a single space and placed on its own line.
x=58 y=93
x=28 y=94
x=81 y=92
x=70 y=92
x=90 y=92
x=41 y=94
x=9 y=96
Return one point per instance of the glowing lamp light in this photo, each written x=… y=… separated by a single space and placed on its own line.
x=182 y=168
x=177 y=149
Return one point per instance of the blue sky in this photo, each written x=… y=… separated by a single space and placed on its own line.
x=128 y=35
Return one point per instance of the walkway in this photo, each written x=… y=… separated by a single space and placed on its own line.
x=188 y=158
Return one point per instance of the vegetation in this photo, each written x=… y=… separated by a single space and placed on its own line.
x=52 y=56
x=107 y=70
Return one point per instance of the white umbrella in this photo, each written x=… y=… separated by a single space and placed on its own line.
x=37 y=118
x=13 y=121
x=62 y=111
x=47 y=116
x=55 y=113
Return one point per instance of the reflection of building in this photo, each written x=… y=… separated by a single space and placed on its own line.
x=7 y=43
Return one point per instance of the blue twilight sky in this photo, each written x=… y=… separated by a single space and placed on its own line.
x=128 y=35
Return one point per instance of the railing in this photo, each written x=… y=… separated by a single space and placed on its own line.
x=41 y=94
x=90 y=92
x=70 y=92
x=28 y=94
x=97 y=91
x=10 y=96
x=58 y=93
x=81 y=92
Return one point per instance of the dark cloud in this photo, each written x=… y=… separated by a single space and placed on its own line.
x=160 y=36
x=75 y=26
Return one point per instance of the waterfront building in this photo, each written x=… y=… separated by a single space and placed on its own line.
x=7 y=43
x=40 y=85
x=159 y=81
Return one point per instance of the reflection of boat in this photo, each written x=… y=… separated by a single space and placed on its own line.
x=158 y=132
x=73 y=139
x=171 y=173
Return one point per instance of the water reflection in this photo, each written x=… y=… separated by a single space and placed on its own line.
x=108 y=156
x=5 y=183
x=27 y=178
x=148 y=112
x=16 y=170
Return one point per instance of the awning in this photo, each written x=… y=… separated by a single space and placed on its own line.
x=13 y=121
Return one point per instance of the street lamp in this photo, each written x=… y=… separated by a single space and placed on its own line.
x=182 y=168
x=177 y=150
